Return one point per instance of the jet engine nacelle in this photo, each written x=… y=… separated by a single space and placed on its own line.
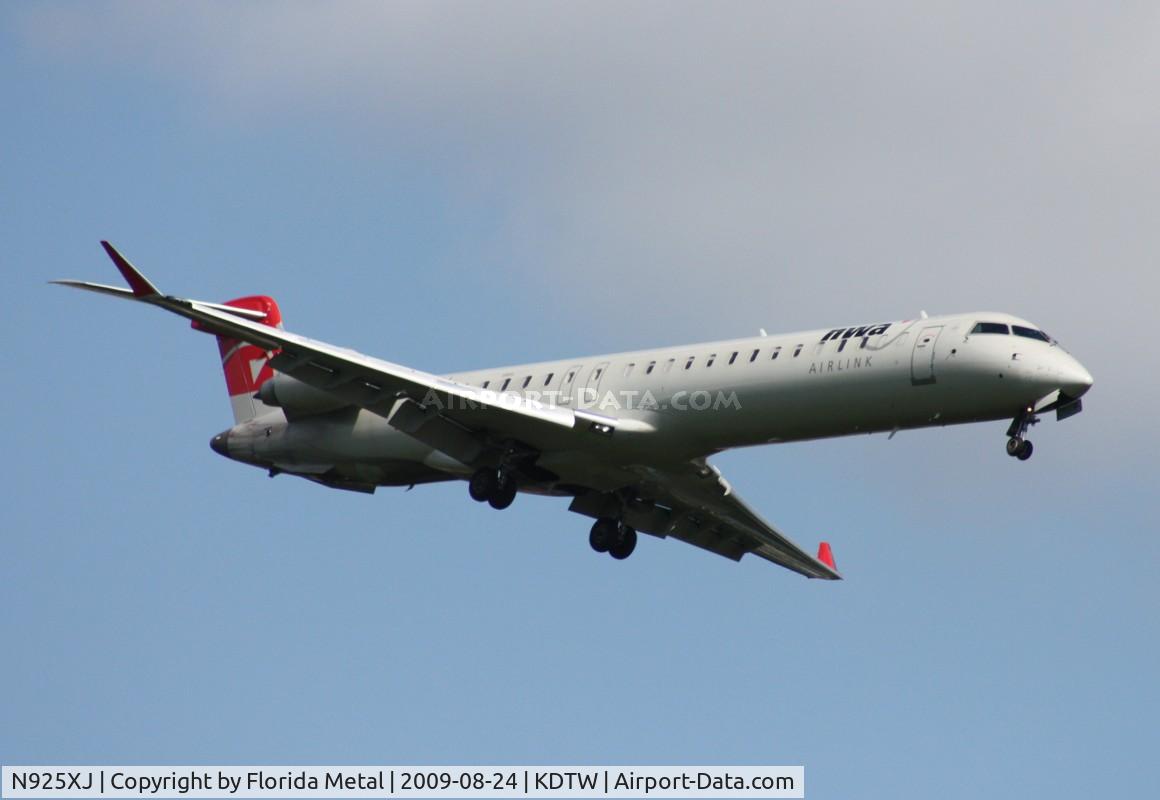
x=297 y=398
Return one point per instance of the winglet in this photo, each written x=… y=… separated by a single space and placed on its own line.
x=137 y=282
x=826 y=556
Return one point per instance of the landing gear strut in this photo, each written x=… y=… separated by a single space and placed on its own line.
x=612 y=537
x=494 y=486
x=1017 y=446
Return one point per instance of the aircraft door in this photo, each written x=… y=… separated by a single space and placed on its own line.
x=590 y=396
x=568 y=383
x=922 y=357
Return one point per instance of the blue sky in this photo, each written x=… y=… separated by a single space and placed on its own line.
x=461 y=186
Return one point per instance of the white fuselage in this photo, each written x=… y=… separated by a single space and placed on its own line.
x=691 y=401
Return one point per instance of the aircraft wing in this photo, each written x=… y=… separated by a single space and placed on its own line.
x=456 y=418
x=695 y=504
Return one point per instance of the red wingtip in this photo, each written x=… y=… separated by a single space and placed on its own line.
x=826 y=556
x=137 y=282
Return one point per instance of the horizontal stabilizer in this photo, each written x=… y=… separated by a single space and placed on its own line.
x=101 y=288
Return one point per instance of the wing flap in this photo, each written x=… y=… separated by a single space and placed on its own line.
x=709 y=514
x=690 y=501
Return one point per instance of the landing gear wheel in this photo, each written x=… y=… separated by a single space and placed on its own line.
x=624 y=545
x=1025 y=451
x=504 y=493
x=482 y=484
x=1017 y=446
x=604 y=533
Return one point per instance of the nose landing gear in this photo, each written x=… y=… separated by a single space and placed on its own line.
x=1018 y=446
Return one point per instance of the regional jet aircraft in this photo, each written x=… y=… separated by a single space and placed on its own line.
x=625 y=436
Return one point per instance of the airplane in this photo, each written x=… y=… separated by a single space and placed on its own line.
x=626 y=436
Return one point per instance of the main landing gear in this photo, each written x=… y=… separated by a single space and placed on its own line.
x=612 y=537
x=496 y=487
x=1017 y=446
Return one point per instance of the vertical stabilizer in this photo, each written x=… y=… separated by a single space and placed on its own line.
x=246 y=366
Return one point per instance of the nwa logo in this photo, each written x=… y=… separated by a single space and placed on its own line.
x=854 y=333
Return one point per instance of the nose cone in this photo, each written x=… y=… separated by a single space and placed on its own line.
x=220 y=444
x=1074 y=378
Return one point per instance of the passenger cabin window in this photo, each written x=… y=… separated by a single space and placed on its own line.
x=628 y=368
x=527 y=380
x=753 y=356
x=1030 y=333
x=712 y=357
x=990 y=327
x=669 y=364
x=689 y=363
x=506 y=381
x=776 y=353
x=548 y=379
x=596 y=376
x=842 y=345
x=733 y=357
x=485 y=384
x=797 y=351
x=651 y=366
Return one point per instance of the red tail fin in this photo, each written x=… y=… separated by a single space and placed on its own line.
x=246 y=366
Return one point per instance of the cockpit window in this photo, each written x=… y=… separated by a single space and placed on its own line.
x=990 y=327
x=1030 y=333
